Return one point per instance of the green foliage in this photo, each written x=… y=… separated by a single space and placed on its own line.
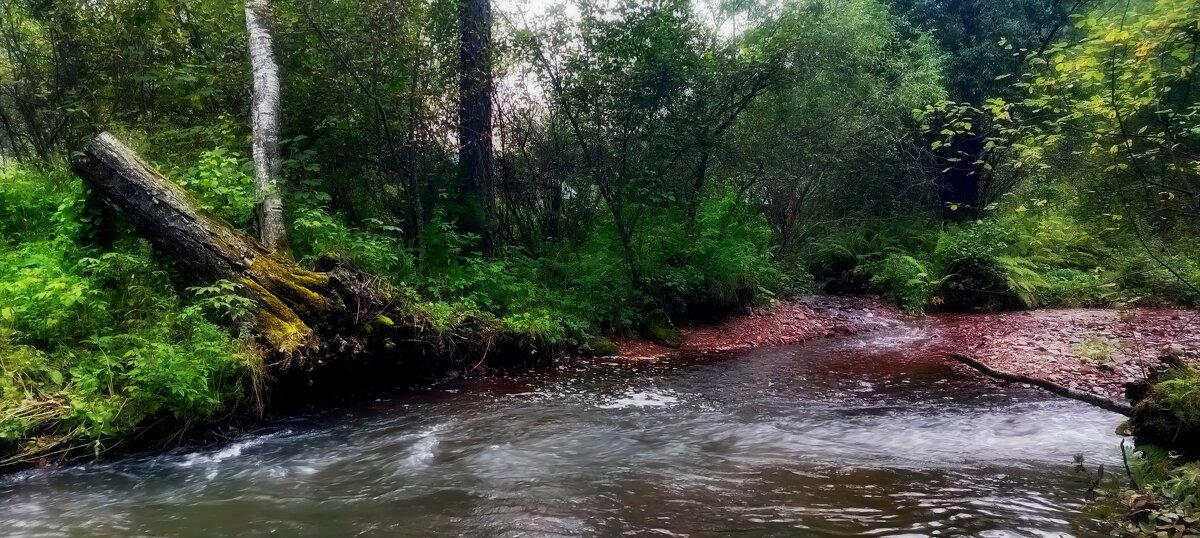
x=1164 y=466
x=1169 y=496
x=222 y=184
x=376 y=248
x=1021 y=260
x=648 y=161
x=978 y=271
x=1074 y=288
x=722 y=262
x=1181 y=393
x=95 y=347
x=904 y=280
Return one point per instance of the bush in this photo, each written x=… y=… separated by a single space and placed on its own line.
x=1143 y=279
x=1019 y=261
x=980 y=273
x=95 y=346
x=721 y=263
x=222 y=184
x=1074 y=288
x=903 y=280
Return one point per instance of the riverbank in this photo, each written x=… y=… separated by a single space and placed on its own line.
x=783 y=323
x=1094 y=351
x=1089 y=350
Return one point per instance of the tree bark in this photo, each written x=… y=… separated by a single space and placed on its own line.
x=264 y=121
x=475 y=117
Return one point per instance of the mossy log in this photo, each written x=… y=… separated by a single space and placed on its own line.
x=300 y=313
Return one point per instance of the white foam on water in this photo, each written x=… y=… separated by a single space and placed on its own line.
x=229 y=452
x=423 y=451
x=642 y=398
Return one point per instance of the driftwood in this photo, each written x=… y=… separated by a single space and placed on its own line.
x=300 y=314
x=1066 y=392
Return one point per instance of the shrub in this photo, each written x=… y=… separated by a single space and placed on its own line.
x=1074 y=288
x=903 y=280
x=96 y=346
x=979 y=271
x=222 y=185
x=1143 y=279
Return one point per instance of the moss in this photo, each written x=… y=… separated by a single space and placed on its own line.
x=302 y=288
x=599 y=347
x=277 y=323
x=379 y=321
x=657 y=327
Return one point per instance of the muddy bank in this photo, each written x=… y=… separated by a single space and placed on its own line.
x=1090 y=350
x=784 y=323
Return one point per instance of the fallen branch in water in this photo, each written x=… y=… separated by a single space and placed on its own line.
x=1086 y=397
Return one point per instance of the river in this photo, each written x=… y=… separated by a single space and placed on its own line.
x=869 y=435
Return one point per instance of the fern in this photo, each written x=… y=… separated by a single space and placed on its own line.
x=1022 y=277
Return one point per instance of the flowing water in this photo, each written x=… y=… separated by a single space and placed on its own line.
x=869 y=435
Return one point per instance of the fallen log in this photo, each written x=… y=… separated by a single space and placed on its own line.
x=302 y=317
x=1066 y=392
x=290 y=299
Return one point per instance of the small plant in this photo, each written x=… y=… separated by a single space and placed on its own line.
x=222 y=300
x=1095 y=349
x=222 y=184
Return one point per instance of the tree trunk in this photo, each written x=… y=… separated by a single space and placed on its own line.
x=264 y=122
x=475 y=118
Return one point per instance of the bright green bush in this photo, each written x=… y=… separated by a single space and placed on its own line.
x=722 y=262
x=1022 y=260
x=1074 y=288
x=903 y=280
x=979 y=272
x=95 y=346
x=376 y=248
x=1145 y=280
x=222 y=184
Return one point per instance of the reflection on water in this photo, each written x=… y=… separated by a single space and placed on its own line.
x=850 y=437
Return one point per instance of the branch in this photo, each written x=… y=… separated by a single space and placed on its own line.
x=1086 y=397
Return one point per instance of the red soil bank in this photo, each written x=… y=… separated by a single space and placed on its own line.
x=1089 y=350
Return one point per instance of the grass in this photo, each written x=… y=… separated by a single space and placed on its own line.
x=1095 y=349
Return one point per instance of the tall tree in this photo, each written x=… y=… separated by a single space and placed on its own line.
x=986 y=43
x=475 y=118
x=264 y=121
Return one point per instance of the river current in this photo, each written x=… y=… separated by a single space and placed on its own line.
x=859 y=436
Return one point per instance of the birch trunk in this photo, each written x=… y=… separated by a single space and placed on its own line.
x=264 y=121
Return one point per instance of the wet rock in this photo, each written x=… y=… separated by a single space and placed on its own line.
x=657 y=327
x=1174 y=351
x=599 y=347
